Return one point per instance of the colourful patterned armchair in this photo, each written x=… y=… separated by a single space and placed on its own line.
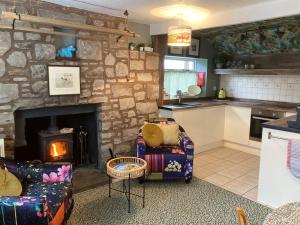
x=46 y=198
x=168 y=162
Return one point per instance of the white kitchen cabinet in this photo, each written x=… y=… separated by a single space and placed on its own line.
x=237 y=124
x=277 y=186
x=216 y=126
x=204 y=125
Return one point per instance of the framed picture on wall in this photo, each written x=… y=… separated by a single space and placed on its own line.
x=176 y=50
x=64 y=80
x=193 y=50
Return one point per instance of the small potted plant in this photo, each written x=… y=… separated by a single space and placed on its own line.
x=148 y=48
x=131 y=46
x=140 y=47
x=219 y=61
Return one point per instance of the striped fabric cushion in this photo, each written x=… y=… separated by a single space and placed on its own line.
x=155 y=163
x=293 y=157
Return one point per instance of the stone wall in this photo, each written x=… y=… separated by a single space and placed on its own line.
x=125 y=83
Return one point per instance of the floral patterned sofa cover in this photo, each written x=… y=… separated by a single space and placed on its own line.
x=168 y=162
x=46 y=197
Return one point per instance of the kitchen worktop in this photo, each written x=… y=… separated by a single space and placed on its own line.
x=282 y=124
x=276 y=106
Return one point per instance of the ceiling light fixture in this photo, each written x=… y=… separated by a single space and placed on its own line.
x=180 y=35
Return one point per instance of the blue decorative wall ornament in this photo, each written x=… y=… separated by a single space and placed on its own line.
x=66 y=52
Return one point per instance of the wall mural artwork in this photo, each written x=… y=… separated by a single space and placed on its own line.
x=261 y=41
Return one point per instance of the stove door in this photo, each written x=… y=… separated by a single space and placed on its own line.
x=256 y=126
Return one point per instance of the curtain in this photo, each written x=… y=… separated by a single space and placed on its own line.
x=178 y=80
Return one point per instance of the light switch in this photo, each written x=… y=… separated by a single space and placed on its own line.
x=2 y=152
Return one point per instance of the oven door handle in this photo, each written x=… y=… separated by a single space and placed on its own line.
x=262 y=118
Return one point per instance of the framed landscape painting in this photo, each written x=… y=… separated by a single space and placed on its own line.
x=64 y=80
x=193 y=50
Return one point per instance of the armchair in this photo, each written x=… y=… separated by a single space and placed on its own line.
x=168 y=162
x=46 y=198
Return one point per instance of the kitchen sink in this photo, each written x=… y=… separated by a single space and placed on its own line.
x=184 y=105
x=193 y=103
x=178 y=105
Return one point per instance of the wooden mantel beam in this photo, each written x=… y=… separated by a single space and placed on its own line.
x=32 y=30
x=65 y=24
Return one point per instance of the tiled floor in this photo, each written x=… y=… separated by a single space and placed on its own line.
x=233 y=170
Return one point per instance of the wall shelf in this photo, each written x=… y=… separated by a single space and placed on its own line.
x=67 y=59
x=257 y=71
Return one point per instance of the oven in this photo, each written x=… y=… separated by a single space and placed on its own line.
x=260 y=116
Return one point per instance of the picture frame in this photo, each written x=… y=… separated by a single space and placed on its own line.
x=193 y=50
x=64 y=80
x=176 y=50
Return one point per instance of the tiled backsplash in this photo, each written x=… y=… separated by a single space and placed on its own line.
x=273 y=88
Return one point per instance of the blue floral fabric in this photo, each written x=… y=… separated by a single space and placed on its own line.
x=45 y=189
x=54 y=193
x=168 y=162
x=22 y=210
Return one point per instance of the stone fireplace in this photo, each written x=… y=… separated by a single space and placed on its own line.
x=123 y=84
x=54 y=134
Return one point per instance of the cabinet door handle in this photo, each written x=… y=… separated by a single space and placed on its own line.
x=262 y=118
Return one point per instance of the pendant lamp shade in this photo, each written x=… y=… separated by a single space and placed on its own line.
x=179 y=36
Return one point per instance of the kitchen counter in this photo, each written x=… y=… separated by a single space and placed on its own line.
x=275 y=106
x=277 y=184
x=282 y=124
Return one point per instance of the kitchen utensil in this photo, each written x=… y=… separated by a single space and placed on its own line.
x=222 y=93
x=194 y=90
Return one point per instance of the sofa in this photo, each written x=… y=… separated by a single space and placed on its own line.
x=46 y=198
x=167 y=162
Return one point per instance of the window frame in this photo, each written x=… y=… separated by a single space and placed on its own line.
x=195 y=60
x=185 y=59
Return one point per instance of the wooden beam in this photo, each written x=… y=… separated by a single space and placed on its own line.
x=66 y=24
x=32 y=30
x=160 y=46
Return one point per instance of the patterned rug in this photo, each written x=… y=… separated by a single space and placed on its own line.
x=173 y=203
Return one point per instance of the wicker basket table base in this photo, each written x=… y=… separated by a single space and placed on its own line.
x=127 y=168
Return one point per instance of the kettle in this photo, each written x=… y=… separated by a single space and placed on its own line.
x=222 y=93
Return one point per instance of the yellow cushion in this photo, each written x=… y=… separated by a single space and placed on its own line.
x=152 y=135
x=170 y=133
x=9 y=184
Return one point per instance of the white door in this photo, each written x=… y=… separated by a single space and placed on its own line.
x=237 y=124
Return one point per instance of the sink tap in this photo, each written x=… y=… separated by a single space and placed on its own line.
x=179 y=95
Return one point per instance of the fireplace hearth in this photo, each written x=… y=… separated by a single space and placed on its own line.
x=41 y=134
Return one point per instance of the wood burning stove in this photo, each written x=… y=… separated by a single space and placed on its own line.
x=55 y=146
x=65 y=133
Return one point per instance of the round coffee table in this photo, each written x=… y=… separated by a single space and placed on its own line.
x=127 y=168
x=288 y=214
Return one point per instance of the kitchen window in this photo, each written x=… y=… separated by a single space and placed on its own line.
x=180 y=73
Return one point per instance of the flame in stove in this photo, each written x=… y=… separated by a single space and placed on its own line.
x=58 y=149
x=55 y=153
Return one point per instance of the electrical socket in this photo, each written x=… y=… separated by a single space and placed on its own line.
x=2 y=152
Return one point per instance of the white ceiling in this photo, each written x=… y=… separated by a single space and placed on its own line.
x=139 y=10
x=222 y=12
